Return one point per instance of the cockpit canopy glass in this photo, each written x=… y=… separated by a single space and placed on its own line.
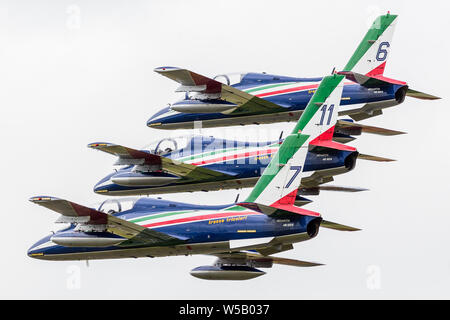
x=168 y=145
x=111 y=206
x=230 y=78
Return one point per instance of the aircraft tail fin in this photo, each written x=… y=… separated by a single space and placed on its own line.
x=371 y=55
x=282 y=177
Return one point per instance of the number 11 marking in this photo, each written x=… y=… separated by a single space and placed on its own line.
x=324 y=111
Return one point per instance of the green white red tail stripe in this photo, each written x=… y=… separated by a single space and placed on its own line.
x=282 y=177
x=371 y=55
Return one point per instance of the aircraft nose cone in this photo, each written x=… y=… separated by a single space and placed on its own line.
x=38 y=249
x=33 y=253
x=153 y=123
x=102 y=187
x=155 y=120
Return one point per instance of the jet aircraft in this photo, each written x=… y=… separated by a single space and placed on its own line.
x=205 y=163
x=257 y=98
x=243 y=235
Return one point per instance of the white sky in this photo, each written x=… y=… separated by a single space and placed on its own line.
x=74 y=72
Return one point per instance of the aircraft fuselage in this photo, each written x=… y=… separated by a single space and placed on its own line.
x=201 y=230
x=244 y=162
x=291 y=94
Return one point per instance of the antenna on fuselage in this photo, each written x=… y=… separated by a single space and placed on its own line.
x=281 y=135
x=237 y=198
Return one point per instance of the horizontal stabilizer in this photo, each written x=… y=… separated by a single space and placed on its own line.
x=374 y=81
x=420 y=95
x=301 y=201
x=341 y=189
x=332 y=145
x=374 y=158
x=347 y=127
x=315 y=191
x=278 y=210
x=337 y=226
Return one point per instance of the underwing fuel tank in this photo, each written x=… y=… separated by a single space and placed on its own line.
x=226 y=272
x=86 y=239
x=203 y=106
x=136 y=179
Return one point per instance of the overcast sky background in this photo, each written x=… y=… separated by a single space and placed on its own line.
x=75 y=72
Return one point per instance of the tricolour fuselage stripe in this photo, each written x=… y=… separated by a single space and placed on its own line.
x=236 y=156
x=291 y=87
x=290 y=90
x=198 y=218
x=157 y=216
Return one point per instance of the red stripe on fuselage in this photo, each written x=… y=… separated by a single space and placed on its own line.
x=197 y=218
x=313 y=86
x=236 y=156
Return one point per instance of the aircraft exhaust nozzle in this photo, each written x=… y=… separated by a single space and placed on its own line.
x=400 y=94
x=226 y=272
x=313 y=227
x=350 y=161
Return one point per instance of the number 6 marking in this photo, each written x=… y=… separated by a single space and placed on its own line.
x=382 y=52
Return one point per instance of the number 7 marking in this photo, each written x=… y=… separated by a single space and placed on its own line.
x=297 y=170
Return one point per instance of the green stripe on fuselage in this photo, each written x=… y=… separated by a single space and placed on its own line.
x=268 y=87
x=155 y=216
x=207 y=154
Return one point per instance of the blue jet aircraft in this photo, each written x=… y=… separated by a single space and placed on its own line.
x=257 y=98
x=202 y=163
x=243 y=236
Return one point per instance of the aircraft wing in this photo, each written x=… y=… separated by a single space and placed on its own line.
x=129 y=156
x=193 y=82
x=85 y=216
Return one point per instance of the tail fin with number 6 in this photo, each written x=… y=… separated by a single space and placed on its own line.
x=372 y=53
